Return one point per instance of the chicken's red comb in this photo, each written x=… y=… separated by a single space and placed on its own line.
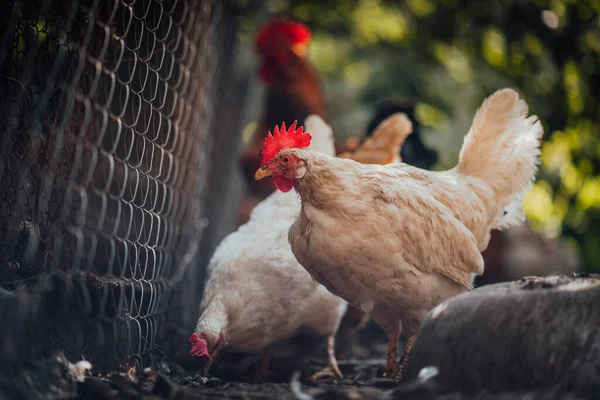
x=293 y=32
x=284 y=139
x=199 y=346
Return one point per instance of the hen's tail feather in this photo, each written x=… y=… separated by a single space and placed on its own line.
x=503 y=149
x=383 y=147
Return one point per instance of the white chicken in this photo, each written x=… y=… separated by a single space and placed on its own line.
x=257 y=293
x=396 y=240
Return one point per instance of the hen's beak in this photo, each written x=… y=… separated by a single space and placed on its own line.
x=262 y=172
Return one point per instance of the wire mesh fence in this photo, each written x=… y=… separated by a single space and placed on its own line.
x=108 y=129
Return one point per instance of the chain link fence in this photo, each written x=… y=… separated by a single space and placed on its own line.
x=112 y=121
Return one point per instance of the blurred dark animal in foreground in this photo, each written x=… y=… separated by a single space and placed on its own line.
x=528 y=334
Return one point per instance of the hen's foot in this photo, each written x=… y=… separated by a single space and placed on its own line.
x=391 y=370
x=332 y=368
x=327 y=372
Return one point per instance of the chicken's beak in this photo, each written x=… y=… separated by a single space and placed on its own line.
x=262 y=172
x=300 y=49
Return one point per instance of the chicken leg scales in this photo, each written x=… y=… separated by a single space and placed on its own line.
x=407 y=349
x=392 y=356
x=332 y=368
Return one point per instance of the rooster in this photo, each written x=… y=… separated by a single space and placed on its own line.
x=293 y=90
x=396 y=240
x=257 y=293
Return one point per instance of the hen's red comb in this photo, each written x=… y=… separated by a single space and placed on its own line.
x=284 y=139
x=293 y=32
x=199 y=346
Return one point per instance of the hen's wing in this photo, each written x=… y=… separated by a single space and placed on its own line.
x=431 y=238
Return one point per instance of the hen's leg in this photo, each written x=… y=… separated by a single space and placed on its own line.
x=332 y=368
x=407 y=349
x=332 y=361
x=263 y=370
x=392 y=356
x=353 y=321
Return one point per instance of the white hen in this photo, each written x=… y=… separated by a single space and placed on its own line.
x=257 y=293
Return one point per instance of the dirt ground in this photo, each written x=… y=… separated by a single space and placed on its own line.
x=234 y=377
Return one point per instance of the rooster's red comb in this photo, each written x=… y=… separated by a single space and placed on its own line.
x=293 y=32
x=282 y=139
x=199 y=346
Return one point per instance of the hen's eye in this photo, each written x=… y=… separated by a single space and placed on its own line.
x=285 y=159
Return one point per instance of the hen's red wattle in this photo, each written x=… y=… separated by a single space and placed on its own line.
x=199 y=346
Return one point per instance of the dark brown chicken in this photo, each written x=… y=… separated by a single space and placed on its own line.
x=293 y=92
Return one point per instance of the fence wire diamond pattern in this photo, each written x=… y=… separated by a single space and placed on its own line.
x=105 y=118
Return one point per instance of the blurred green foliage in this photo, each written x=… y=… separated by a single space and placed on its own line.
x=448 y=55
